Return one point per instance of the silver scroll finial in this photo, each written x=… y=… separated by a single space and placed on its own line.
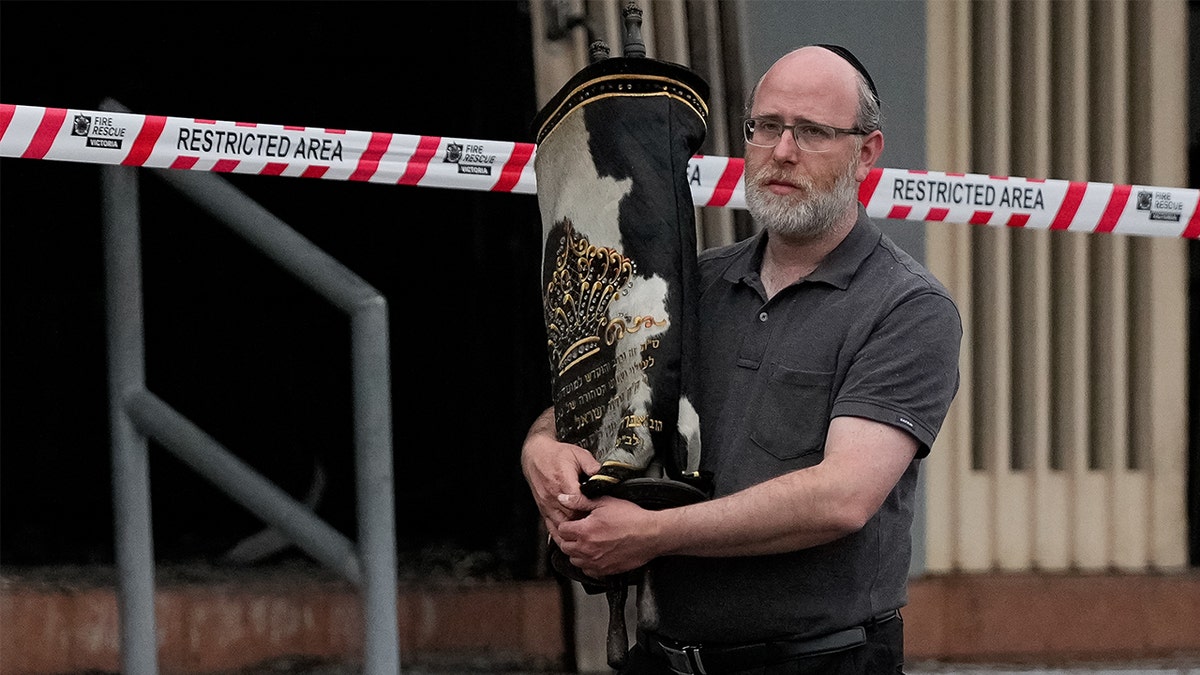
x=598 y=50
x=635 y=47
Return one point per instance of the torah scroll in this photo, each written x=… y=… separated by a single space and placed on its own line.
x=619 y=285
x=619 y=265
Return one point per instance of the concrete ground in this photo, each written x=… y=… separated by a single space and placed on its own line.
x=1169 y=667
x=1189 y=667
x=1158 y=668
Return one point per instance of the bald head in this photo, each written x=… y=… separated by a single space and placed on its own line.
x=818 y=78
x=805 y=187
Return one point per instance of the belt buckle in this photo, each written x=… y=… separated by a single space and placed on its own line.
x=692 y=653
x=684 y=660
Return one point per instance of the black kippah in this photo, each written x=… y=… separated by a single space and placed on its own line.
x=853 y=60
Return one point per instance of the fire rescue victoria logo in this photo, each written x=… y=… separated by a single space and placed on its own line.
x=100 y=131
x=1162 y=205
x=470 y=158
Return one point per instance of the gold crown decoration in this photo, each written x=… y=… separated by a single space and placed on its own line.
x=585 y=281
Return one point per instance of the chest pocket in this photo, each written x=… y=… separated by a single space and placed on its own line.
x=794 y=415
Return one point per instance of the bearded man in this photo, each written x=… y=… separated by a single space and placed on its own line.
x=828 y=358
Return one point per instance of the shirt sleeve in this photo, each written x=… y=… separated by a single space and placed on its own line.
x=906 y=372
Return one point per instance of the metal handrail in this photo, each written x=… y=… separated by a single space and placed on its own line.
x=137 y=415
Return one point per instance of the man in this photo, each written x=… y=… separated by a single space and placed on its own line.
x=829 y=359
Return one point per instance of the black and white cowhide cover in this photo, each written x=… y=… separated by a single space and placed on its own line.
x=619 y=285
x=619 y=265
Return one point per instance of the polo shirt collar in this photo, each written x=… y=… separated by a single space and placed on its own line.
x=837 y=269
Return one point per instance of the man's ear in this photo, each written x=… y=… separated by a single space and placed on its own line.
x=872 y=148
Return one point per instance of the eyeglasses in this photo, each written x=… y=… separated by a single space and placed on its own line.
x=765 y=133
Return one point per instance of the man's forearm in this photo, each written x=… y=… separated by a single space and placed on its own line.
x=787 y=513
x=807 y=507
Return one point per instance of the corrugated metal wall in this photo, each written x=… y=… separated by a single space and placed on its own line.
x=1066 y=447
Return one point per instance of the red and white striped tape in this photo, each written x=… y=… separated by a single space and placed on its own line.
x=977 y=199
x=435 y=161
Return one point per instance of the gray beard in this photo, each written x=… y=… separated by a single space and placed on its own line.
x=801 y=218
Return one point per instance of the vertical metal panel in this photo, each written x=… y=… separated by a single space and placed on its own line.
x=1160 y=427
x=668 y=18
x=974 y=494
x=1158 y=96
x=1128 y=502
x=1110 y=368
x=990 y=270
x=1029 y=52
x=710 y=54
x=1109 y=410
x=948 y=100
x=1071 y=393
x=995 y=292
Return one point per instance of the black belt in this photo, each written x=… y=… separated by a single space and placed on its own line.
x=699 y=659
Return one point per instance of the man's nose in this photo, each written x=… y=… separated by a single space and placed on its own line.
x=786 y=151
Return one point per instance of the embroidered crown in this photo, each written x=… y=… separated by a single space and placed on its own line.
x=585 y=281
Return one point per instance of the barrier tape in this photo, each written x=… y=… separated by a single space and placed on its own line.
x=435 y=161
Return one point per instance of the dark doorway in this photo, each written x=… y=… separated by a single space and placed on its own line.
x=235 y=344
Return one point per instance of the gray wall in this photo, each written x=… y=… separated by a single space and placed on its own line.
x=888 y=36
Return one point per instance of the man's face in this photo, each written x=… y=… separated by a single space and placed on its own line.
x=794 y=192
x=790 y=201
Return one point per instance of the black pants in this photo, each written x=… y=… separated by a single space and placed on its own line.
x=883 y=654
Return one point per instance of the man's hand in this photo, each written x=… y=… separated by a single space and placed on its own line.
x=615 y=536
x=553 y=468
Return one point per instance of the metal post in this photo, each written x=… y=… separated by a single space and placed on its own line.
x=373 y=461
x=134 y=544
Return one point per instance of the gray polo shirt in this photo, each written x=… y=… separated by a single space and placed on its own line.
x=870 y=333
